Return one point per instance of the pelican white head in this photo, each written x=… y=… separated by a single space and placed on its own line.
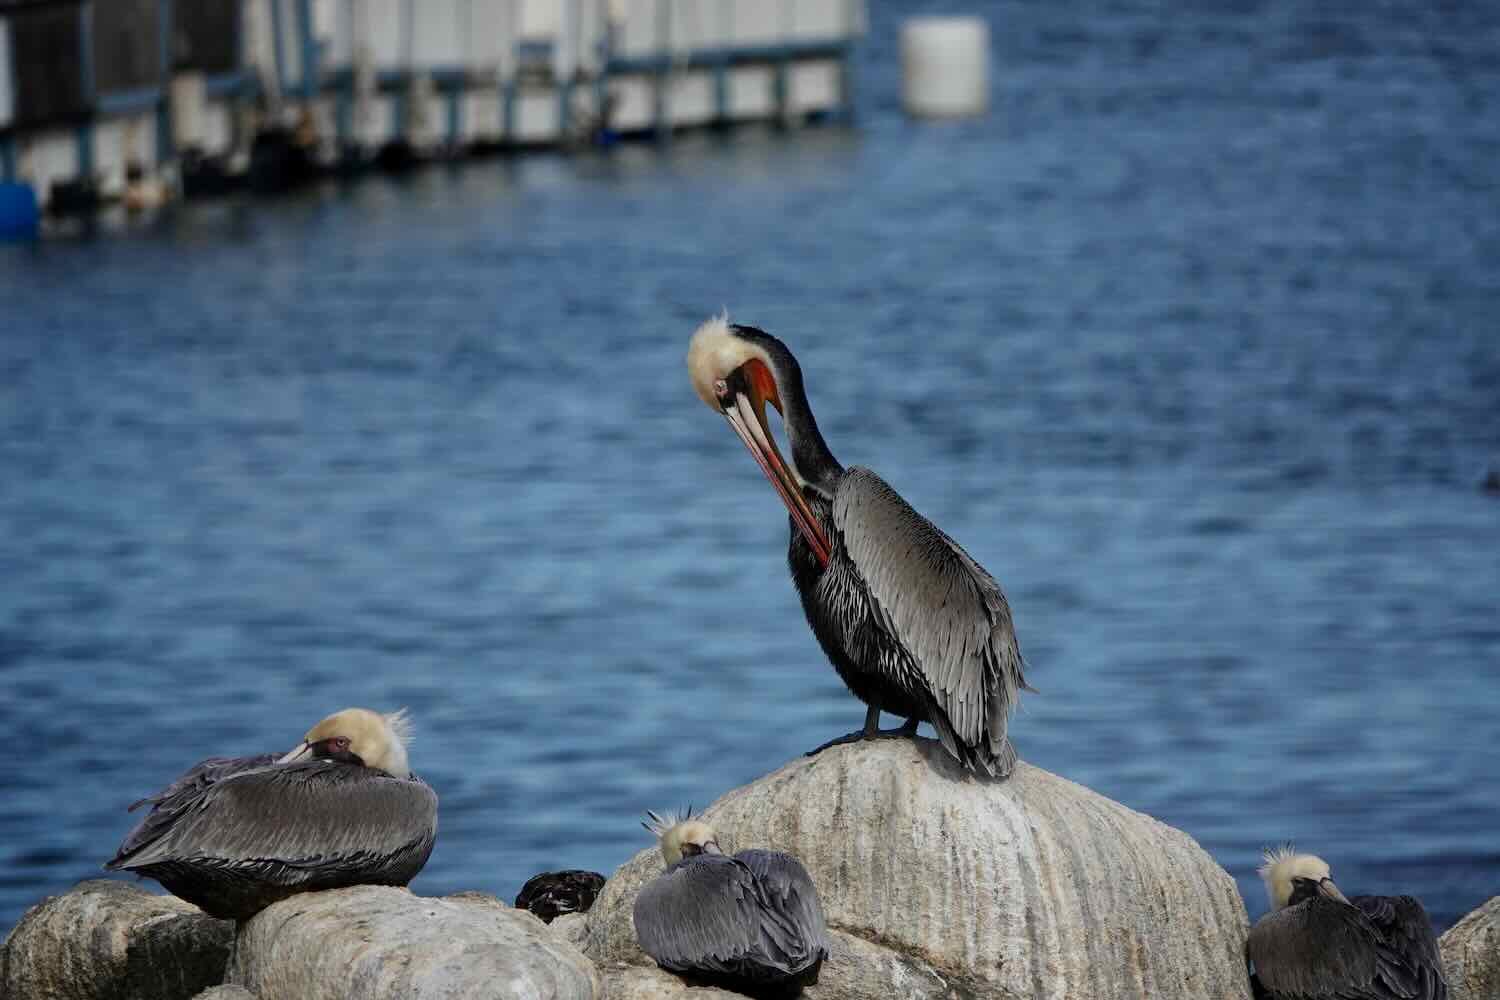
x=1292 y=877
x=358 y=735
x=715 y=353
x=681 y=836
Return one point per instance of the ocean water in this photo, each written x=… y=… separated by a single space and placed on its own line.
x=1193 y=341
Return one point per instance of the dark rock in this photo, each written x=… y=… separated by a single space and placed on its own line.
x=553 y=894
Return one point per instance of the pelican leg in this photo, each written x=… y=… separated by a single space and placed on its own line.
x=871 y=731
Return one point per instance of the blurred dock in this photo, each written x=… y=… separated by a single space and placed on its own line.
x=143 y=100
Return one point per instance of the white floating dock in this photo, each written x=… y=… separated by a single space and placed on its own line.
x=348 y=77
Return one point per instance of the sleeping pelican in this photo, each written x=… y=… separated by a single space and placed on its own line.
x=235 y=834
x=751 y=922
x=1316 y=944
x=913 y=625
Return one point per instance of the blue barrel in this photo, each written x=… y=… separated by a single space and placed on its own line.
x=18 y=211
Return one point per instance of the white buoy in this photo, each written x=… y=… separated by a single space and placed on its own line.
x=945 y=66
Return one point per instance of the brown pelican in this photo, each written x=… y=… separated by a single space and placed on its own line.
x=911 y=622
x=235 y=834
x=752 y=922
x=1317 y=944
x=552 y=894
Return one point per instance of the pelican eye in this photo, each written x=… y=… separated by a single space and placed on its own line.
x=721 y=387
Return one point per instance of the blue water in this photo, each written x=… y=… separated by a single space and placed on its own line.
x=1192 y=341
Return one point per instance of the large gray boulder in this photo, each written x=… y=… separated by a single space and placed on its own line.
x=1471 y=954
x=107 y=940
x=383 y=943
x=939 y=884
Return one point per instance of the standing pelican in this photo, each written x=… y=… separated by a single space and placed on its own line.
x=235 y=834
x=1316 y=944
x=752 y=922
x=912 y=624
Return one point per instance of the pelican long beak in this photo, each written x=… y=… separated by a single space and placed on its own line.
x=1327 y=888
x=300 y=752
x=747 y=415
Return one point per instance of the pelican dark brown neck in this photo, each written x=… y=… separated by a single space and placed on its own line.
x=810 y=453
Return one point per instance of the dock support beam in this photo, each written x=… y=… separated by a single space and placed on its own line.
x=455 y=115
x=721 y=91
x=663 y=71
x=165 y=147
x=310 y=75
x=86 y=68
x=781 y=90
x=508 y=110
x=278 y=48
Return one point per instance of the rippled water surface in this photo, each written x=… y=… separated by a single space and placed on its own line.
x=1193 y=342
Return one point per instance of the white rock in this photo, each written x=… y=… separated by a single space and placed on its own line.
x=383 y=943
x=1471 y=954
x=938 y=883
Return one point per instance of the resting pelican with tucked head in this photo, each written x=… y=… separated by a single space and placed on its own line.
x=751 y=922
x=1316 y=944
x=913 y=625
x=235 y=834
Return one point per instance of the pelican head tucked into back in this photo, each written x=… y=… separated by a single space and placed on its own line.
x=235 y=834
x=359 y=736
x=1316 y=943
x=752 y=922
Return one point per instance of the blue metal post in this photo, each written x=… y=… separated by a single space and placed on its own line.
x=721 y=90
x=164 y=143
x=846 y=61
x=508 y=110
x=564 y=109
x=780 y=90
x=309 y=50
x=404 y=109
x=344 y=110
x=663 y=68
x=278 y=47
x=86 y=64
x=846 y=81
x=721 y=68
x=601 y=78
x=455 y=114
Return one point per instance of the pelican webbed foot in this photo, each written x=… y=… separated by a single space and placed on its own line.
x=871 y=731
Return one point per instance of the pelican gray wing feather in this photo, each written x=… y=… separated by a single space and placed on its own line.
x=790 y=889
x=302 y=813
x=168 y=805
x=709 y=914
x=1405 y=926
x=1324 y=948
x=947 y=613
